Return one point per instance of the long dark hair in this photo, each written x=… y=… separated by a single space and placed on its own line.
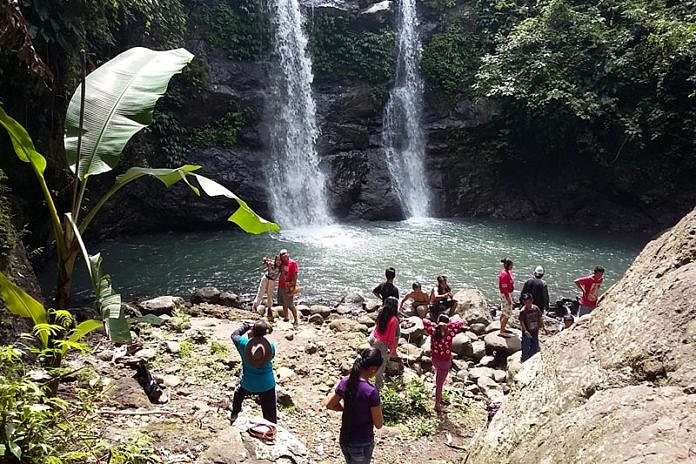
x=366 y=359
x=442 y=286
x=442 y=322
x=386 y=312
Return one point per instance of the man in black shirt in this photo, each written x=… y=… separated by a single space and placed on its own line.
x=538 y=289
x=387 y=289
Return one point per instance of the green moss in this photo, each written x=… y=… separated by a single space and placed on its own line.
x=8 y=234
x=222 y=133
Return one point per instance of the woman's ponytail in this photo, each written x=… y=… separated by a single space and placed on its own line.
x=367 y=358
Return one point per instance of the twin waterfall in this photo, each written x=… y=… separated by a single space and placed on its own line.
x=297 y=184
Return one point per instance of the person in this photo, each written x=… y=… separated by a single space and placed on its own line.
x=387 y=289
x=441 y=299
x=361 y=408
x=268 y=284
x=385 y=336
x=257 y=371
x=506 y=285
x=441 y=336
x=536 y=286
x=589 y=286
x=419 y=298
x=287 y=285
x=531 y=321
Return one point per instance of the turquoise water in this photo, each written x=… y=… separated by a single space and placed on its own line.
x=355 y=255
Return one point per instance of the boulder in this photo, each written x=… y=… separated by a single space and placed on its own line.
x=514 y=365
x=461 y=345
x=323 y=311
x=504 y=345
x=478 y=350
x=478 y=372
x=472 y=336
x=412 y=330
x=206 y=295
x=286 y=448
x=162 y=305
x=229 y=299
x=173 y=346
x=410 y=353
x=472 y=306
x=303 y=309
x=316 y=319
x=499 y=376
x=366 y=321
x=353 y=297
x=618 y=386
x=347 y=325
x=489 y=387
x=493 y=327
x=478 y=328
x=394 y=368
x=487 y=361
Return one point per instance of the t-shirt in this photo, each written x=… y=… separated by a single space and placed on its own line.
x=388 y=337
x=358 y=427
x=442 y=349
x=506 y=282
x=385 y=290
x=255 y=379
x=539 y=291
x=530 y=318
x=590 y=290
x=288 y=273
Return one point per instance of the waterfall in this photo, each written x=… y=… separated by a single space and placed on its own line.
x=402 y=133
x=296 y=184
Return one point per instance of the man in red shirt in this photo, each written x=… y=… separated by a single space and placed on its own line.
x=589 y=286
x=287 y=285
x=506 y=285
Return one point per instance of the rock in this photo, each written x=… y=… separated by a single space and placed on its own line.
x=366 y=321
x=105 y=355
x=311 y=348
x=472 y=336
x=472 y=306
x=371 y=306
x=514 y=365
x=316 y=319
x=493 y=327
x=478 y=328
x=462 y=375
x=303 y=309
x=410 y=353
x=146 y=353
x=171 y=381
x=394 y=368
x=162 y=305
x=613 y=385
x=229 y=299
x=478 y=372
x=284 y=373
x=412 y=330
x=286 y=448
x=487 y=361
x=507 y=346
x=354 y=297
x=173 y=347
x=478 y=350
x=461 y=345
x=499 y=376
x=290 y=336
x=284 y=398
x=347 y=325
x=426 y=347
x=323 y=311
x=206 y=295
x=225 y=447
x=488 y=386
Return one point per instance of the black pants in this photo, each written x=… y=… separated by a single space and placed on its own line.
x=267 y=400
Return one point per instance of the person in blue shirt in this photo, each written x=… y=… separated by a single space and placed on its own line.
x=257 y=370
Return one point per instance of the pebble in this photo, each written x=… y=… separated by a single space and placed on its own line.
x=290 y=336
x=171 y=380
x=173 y=347
x=146 y=353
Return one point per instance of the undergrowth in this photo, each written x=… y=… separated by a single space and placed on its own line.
x=409 y=405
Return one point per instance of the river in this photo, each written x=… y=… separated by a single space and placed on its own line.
x=334 y=258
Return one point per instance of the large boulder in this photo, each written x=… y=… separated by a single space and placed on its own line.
x=504 y=345
x=461 y=345
x=620 y=385
x=162 y=305
x=323 y=311
x=413 y=330
x=472 y=306
x=206 y=295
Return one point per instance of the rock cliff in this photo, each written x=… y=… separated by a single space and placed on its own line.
x=619 y=386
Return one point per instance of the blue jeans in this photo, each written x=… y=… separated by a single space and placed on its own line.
x=358 y=453
x=530 y=346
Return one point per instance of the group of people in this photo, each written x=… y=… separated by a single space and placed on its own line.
x=356 y=396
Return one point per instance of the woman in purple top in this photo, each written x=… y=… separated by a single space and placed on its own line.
x=362 y=410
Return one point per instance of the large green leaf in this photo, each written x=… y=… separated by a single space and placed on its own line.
x=19 y=303
x=22 y=143
x=120 y=97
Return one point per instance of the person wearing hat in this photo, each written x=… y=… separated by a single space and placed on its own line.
x=257 y=371
x=531 y=322
x=538 y=289
x=287 y=285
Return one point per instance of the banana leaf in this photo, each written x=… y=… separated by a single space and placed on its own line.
x=120 y=98
x=19 y=303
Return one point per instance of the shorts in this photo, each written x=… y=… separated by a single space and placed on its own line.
x=505 y=307
x=583 y=310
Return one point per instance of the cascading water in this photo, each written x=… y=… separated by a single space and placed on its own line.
x=402 y=133
x=296 y=184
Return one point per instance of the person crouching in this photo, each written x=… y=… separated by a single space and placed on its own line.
x=257 y=371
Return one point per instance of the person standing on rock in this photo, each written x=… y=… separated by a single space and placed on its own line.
x=360 y=404
x=257 y=371
x=419 y=299
x=385 y=336
x=441 y=336
x=441 y=299
x=531 y=321
x=268 y=284
x=506 y=285
x=387 y=289
x=589 y=286
x=536 y=286
x=287 y=285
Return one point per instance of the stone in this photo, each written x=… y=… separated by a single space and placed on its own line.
x=472 y=306
x=472 y=336
x=311 y=348
x=478 y=350
x=461 y=345
x=426 y=347
x=366 y=321
x=478 y=328
x=284 y=398
x=162 y=305
x=146 y=353
x=323 y=311
x=413 y=330
x=173 y=346
x=394 y=368
x=206 y=295
x=493 y=327
x=225 y=447
x=487 y=361
x=303 y=309
x=504 y=345
x=499 y=376
x=228 y=299
x=316 y=319
x=347 y=325
x=478 y=372
x=171 y=380
x=284 y=373
x=289 y=336
x=286 y=448
x=410 y=353
x=105 y=355
x=353 y=296
x=514 y=365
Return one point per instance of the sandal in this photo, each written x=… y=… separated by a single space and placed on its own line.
x=264 y=432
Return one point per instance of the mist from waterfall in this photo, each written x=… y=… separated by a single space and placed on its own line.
x=402 y=133
x=296 y=184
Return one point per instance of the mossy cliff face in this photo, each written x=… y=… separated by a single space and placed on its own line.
x=620 y=387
